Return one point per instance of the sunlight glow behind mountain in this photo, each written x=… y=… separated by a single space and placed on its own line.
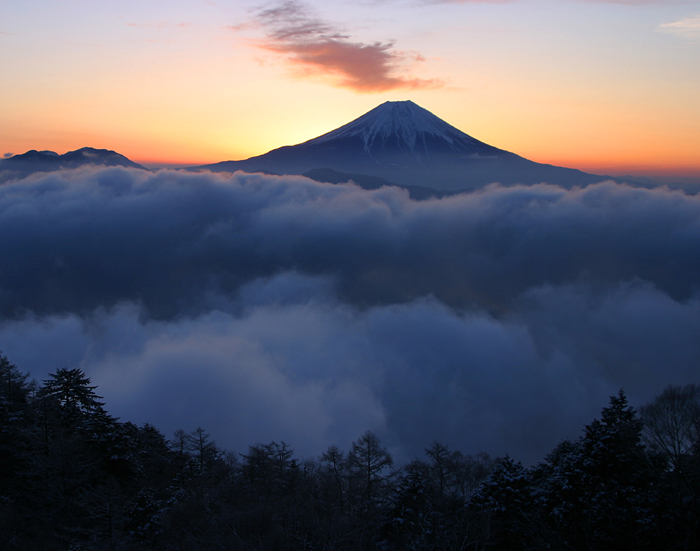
x=590 y=85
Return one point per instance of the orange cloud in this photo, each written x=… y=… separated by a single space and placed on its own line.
x=320 y=49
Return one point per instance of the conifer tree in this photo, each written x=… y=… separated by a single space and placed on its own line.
x=368 y=462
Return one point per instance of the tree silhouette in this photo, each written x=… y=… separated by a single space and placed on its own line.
x=368 y=462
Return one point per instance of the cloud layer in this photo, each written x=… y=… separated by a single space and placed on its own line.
x=318 y=48
x=266 y=307
x=686 y=28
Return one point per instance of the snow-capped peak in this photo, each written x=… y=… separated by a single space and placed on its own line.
x=399 y=120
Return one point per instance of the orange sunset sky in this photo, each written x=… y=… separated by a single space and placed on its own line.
x=611 y=87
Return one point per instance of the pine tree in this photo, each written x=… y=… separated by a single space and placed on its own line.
x=15 y=448
x=368 y=462
x=506 y=499
x=598 y=492
x=72 y=391
x=334 y=478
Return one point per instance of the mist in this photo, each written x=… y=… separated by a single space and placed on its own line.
x=277 y=308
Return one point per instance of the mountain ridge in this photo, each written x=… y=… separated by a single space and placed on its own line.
x=396 y=143
x=21 y=165
x=408 y=145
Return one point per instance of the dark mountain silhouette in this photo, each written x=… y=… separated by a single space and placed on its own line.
x=405 y=144
x=397 y=143
x=330 y=176
x=32 y=161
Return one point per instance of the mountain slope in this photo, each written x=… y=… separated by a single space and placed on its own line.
x=32 y=161
x=404 y=143
x=330 y=176
x=404 y=128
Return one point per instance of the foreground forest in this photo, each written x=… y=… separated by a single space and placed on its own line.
x=72 y=477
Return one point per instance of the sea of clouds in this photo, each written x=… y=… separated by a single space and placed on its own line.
x=277 y=308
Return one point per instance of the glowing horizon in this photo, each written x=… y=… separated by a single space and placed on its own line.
x=602 y=86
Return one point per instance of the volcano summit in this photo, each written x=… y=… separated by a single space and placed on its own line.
x=405 y=144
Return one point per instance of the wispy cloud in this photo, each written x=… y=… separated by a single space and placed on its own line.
x=319 y=48
x=158 y=25
x=686 y=28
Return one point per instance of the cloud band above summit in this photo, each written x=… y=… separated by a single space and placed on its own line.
x=319 y=49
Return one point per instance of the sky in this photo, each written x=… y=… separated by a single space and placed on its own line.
x=607 y=86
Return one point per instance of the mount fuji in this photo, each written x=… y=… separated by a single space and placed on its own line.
x=399 y=142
